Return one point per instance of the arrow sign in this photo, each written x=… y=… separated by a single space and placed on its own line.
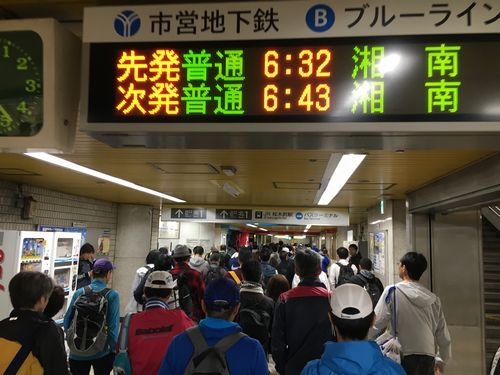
x=179 y=213
x=233 y=214
x=188 y=213
x=224 y=214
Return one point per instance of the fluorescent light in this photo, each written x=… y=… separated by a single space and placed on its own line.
x=299 y=237
x=344 y=169
x=282 y=236
x=231 y=189
x=308 y=226
x=264 y=230
x=103 y=176
x=251 y=225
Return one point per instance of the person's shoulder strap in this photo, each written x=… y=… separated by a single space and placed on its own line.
x=197 y=339
x=124 y=333
x=225 y=343
x=235 y=277
x=104 y=292
x=87 y=290
x=23 y=352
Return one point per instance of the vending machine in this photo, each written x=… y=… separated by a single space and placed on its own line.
x=53 y=253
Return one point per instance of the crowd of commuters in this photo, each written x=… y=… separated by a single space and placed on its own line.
x=282 y=308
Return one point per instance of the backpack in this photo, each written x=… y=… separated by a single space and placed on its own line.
x=121 y=365
x=345 y=274
x=182 y=294
x=372 y=289
x=209 y=360
x=214 y=272
x=88 y=331
x=255 y=322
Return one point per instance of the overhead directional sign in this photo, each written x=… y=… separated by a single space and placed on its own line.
x=188 y=213
x=263 y=215
x=233 y=214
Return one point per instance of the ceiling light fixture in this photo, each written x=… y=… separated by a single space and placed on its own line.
x=338 y=171
x=231 y=190
x=251 y=225
x=43 y=156
x=228 y=170
x=299 y=237
x=264 y=230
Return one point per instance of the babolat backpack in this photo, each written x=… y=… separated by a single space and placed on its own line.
x=88 y=332
x=209 y=360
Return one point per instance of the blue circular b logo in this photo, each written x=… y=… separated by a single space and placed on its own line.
x=127 y=23
x=299 y=215
x=320 y=18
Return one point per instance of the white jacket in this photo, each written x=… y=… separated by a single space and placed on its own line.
x=335 y=272
x=421 y=324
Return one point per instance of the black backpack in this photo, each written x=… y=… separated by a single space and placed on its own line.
x=255 y=323
x=182 y=294
x=372 y=289
x=345 y=274
x=214 y=273
x=88 y=332
x=209 y=360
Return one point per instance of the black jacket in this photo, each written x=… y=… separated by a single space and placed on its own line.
x=287 y=268
x=301 y=326
x=25 y=327
x=257 y=301
x=355 y=259
x=84 y=268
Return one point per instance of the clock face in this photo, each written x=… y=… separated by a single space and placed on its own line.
x=21 y=83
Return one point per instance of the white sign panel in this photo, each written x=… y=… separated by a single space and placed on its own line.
x=280 y=216
x=287 y=20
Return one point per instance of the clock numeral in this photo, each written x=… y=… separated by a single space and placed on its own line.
x=6 y=51
x=22 y=63
x=31 y=85
x=305 y=99
x=270 y=98
x=23 y=108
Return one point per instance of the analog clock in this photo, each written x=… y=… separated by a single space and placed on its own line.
x=21 y=83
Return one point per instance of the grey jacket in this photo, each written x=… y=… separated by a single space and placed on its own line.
x=420 y=320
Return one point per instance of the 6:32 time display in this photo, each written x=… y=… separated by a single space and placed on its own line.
x=297 y=80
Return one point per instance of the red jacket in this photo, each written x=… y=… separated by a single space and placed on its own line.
x=149 y=335
x=196 y=287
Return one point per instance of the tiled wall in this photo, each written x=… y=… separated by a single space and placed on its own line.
x=58 y=209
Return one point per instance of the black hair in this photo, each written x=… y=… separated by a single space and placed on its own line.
x=354 y=246
x=87 y=248
x=26 y=289
x=152 y=257
x=366 y=264
x=157 y=293
x=415 y=264
x=353 y=329
x=307 y=264
x=182 y=259
x=164 y=263
x=163 y=250
x=244 y=255
x=56 y=302
x=265 y=254
x=342 y=252
x=198 y=250
x=283 y=255
x=251 y=271
x=214 y=257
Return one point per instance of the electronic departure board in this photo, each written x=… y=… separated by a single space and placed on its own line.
x=424 y=78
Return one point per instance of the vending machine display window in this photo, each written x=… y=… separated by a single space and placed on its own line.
x=64 y=248
x=62 y=277
x=31 y=266
x=33 y=249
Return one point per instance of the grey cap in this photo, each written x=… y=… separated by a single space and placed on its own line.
x=181 y=251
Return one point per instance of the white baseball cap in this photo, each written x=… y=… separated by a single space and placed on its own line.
x=354 y=297
x=285 y=249
x=160 y=280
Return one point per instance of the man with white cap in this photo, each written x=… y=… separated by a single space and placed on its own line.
x=151 y=331
x=352 y=316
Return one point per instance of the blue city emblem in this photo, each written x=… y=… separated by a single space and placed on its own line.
x=320 y=18
x=299 y=215
x=127 y=23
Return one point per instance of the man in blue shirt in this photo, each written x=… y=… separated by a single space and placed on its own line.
x=102 y=362
x=221 y=303
x=352 y=316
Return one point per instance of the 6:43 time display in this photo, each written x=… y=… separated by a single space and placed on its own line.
x=297 y=80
